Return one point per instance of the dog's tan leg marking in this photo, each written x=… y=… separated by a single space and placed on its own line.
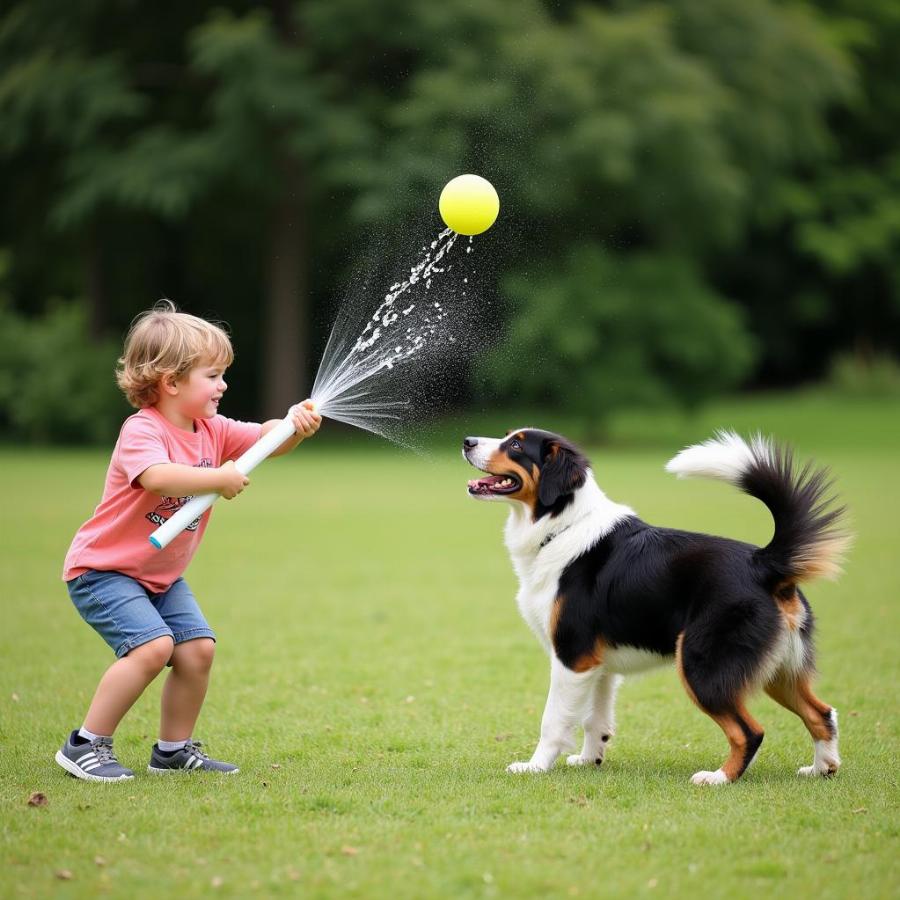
x=794 y=692
x=744 y=733
x=590 y=660
x=743 y=746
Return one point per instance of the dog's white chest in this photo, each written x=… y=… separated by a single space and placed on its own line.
x=535 y=605
x=539 y=559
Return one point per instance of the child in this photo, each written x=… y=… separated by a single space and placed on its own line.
x=133 y=595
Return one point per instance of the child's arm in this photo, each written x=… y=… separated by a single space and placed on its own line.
x=176 y=480
x=306 y=424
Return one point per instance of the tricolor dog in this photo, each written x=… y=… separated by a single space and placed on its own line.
x=608 y=595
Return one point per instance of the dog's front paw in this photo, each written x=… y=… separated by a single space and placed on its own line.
x=518 y=767
x=576 y=759
x=717 y=777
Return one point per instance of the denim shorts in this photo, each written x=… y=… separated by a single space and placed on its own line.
x=125 y=614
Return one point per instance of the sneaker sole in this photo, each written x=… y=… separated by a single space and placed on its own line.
x=155 y=771
x=77 y=772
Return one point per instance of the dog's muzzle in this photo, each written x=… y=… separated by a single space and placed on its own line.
x=477 y=451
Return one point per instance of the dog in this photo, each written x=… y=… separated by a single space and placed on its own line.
x=608 y=595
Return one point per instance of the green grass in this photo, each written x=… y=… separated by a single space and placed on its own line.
x=373 y=679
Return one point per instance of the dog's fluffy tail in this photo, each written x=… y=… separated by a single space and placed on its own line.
x=810 y=538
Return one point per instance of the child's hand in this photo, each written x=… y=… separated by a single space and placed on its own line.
x=232 y=482
x=305 y=418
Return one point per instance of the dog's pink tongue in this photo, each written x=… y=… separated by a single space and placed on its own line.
x=484 y=485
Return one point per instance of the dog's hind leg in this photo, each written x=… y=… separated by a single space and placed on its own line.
x=794 y=692
x=744 y=733
x=566 y=702
x=600 y=722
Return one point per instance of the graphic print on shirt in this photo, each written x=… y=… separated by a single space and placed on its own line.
x=170 y=505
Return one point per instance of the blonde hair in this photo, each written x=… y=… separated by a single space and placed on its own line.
x=163 y=342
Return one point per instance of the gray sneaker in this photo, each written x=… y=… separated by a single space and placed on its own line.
x=92 y=760
x=189 y=759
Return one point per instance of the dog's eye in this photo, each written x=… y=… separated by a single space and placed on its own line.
x=515 y=445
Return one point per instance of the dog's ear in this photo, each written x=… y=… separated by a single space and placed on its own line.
x=564 y=470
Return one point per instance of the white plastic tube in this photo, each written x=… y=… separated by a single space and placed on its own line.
x=245 y=464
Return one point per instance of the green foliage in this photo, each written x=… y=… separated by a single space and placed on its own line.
x=573 y=131
x=605 y=332
x=158 y=171
x=849 y=221
x=779 y=69
x=57 y=385
x=63 y=98
x=836 y=226
x=212 y=154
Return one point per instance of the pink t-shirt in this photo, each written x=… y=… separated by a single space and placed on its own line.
x=117 y=536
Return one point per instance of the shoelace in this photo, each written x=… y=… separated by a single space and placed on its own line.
x=194 y=747
x=103 y=751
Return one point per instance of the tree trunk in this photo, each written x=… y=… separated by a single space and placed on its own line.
x=285 y=329
x=95 y=284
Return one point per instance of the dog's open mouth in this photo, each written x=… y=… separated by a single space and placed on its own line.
x=494 y=484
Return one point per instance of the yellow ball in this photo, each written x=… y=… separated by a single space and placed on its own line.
x=469 y=204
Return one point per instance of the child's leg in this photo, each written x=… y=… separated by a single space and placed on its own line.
x=123 y=682
x=120 y=610
x=183 y=695
x=195 y=646
x=185 y=688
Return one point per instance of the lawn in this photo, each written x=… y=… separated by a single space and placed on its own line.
x=373 y=679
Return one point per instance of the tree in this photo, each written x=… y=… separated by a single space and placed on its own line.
x=657 y=134
x=844 y=217
x=603 y=332
x=246 y=152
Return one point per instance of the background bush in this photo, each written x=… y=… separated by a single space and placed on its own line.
x=56 y=383
x=604 y=332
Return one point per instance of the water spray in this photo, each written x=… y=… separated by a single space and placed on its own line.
x=400 y=330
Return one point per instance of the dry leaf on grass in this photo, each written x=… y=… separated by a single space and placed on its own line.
x=347 y=850
x=38 y=799
x=99 y=860
x=64 y=874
